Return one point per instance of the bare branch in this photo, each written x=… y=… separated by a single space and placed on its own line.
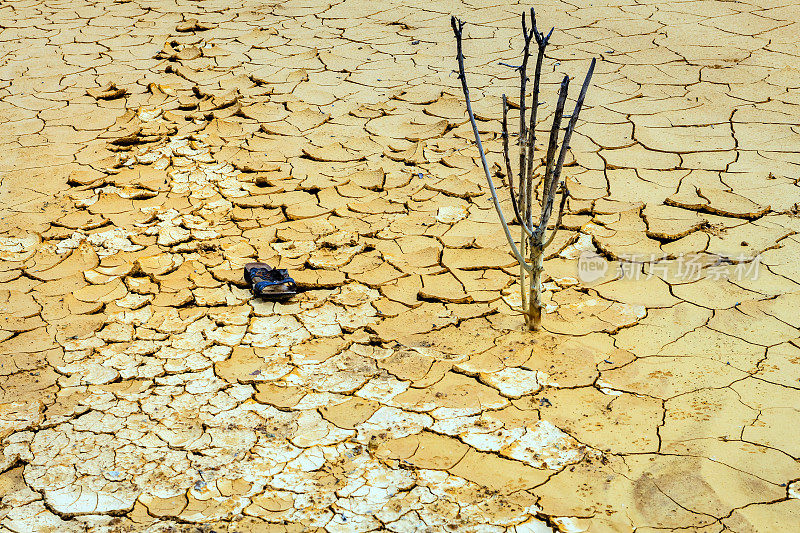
x=573 y=120
x=564 y=196
x=458 y=27
x=541 y=41
x=514 y=198
x=523 y=75
x=523 y=80
x=504 y=136
x=548 y=191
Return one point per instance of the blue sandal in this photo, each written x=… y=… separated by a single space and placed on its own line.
x=268 y=282
x=256 y=270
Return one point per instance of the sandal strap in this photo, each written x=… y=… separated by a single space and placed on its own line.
x=259 y=272
x=270 y=274
x=268 y=283
x=254 y=273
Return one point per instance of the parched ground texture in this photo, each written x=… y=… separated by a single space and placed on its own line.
x=150 y=148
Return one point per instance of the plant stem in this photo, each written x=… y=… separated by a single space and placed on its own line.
x=535 y=304
x=523 y=277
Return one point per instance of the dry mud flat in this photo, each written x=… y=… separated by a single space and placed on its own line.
x=143 y=389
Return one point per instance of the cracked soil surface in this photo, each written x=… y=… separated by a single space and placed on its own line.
x=150 y=148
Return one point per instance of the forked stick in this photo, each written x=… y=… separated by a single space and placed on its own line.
x=524 y=190
x=541 y=41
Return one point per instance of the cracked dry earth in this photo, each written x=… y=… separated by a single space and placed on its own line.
x=152 y=148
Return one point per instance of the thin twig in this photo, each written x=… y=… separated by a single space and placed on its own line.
x=523 y=80
x=458 y=27
x=510 y=172
x=542 y=42
x=556 y=173
x=564 y=196
x=547 y=190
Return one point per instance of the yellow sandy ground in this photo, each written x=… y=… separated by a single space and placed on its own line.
x=151 y=148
